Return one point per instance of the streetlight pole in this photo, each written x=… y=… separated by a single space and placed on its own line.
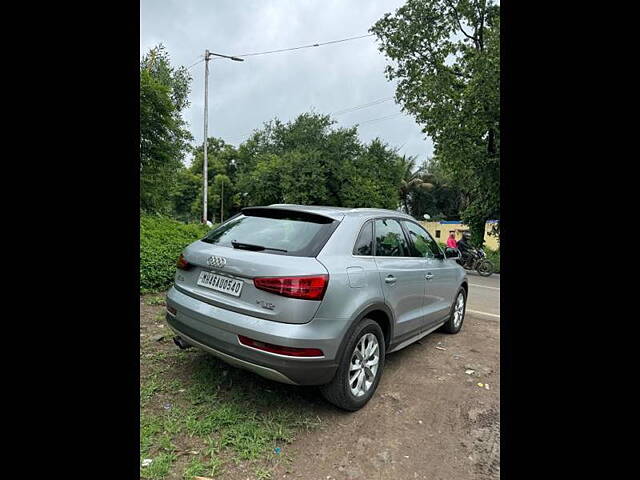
x=206 y=121
x=207 y=57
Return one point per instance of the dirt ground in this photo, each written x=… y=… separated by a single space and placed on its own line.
x=428 y=419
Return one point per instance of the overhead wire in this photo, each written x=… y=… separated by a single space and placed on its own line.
x=319 y=44
x=196 y=63
x=380 y=118
x=360 y=107
x=303 y=46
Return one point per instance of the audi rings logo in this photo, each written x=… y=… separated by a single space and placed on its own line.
x=216 y=262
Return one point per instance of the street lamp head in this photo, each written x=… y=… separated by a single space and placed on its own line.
x=213 y=54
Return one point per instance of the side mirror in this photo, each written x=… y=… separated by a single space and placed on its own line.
x=452 y=253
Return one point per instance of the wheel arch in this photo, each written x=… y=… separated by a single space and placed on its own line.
x=465 y=286
x=379 y=313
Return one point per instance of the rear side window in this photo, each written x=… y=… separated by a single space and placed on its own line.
x=390 y=239
x=281 y=232
x=364 y=243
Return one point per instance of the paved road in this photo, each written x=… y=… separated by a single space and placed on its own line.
x=484 y=296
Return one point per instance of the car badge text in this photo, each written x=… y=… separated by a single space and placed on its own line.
x=267 y=305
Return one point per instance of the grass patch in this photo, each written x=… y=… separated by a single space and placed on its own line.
x=149 y=388
x=158 y=300
x=262 y=474
x=159 y=468
x=197 y=467
x=193 y=405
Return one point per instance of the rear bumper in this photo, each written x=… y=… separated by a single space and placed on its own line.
x=236 y=362
x=216 y=331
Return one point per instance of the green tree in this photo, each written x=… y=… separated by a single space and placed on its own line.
x=222 y=189
x=442 y=200
x=373 y=178
x=446 y=60
x=164 y=139
x=308 y=161
x=187 y=203
x=413 y=180
x=221 y=161
x=259 y=179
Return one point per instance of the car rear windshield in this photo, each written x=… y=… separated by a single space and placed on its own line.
x=275 y=231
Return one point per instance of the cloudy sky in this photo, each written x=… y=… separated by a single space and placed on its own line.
x=326 y=79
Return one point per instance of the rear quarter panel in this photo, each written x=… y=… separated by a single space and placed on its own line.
x=354 y=282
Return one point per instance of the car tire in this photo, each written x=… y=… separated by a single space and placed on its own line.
x=340 y=392
x=454 y=324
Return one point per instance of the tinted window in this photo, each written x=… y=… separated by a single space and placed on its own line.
x=423 y=244
x=390 y=239
x=364 y=243
x=296 y=234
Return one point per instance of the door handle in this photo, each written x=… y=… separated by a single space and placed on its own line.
x=390 y=279
x=429 y=276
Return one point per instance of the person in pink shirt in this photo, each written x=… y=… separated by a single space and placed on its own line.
x=451 y=241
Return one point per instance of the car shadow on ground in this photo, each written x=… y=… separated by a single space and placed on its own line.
x=212 y=378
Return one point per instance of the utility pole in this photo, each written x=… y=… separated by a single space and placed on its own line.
x=222 y=203
x=207 y=57
x=206 y=121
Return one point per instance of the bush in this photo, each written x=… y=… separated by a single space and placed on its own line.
x=161 y=242
x=494 y=257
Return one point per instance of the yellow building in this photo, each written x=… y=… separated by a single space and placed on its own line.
x=440 y=231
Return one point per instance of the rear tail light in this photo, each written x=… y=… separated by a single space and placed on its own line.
x=182 y=264
x=310 y=287
x=280 y=350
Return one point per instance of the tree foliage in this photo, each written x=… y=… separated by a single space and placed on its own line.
x=164 y=140
x=305 y=161
x=221 y=169
x=442 y=200
x=445 y=57
x=308 y=161
x=413 y=180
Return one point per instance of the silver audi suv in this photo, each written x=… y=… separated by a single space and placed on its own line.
x=311 y=295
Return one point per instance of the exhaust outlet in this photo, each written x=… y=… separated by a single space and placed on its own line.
x=181 y=343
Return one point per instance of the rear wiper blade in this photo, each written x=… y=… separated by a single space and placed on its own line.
x=250 y=246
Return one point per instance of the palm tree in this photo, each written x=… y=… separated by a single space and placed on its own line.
x=413 y=178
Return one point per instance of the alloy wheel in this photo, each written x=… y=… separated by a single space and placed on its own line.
x=364 y=365
x=458 y=311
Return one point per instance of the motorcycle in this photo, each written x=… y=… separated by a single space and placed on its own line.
x=478 y=262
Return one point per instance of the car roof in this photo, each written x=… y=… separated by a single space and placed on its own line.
x=338 y=213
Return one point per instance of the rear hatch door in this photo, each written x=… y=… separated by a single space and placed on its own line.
x=267 y=244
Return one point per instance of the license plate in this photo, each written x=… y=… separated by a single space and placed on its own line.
x=220 y=283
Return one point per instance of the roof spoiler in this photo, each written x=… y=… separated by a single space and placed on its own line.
x=290 y=213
